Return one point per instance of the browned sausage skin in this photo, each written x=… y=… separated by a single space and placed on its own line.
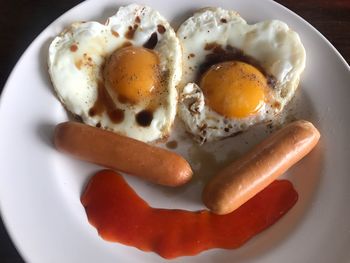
x=245 y=177
x=122 y=153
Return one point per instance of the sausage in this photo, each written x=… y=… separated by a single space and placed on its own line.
x=122 y=153
x=248 y=175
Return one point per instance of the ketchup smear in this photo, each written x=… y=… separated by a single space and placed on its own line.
x=120 y=215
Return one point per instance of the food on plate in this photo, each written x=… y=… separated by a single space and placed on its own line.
x=122 y=79
x=248 y=175
x=120 y=76
x=235 y=75
x=120 y=215
x=122 y=153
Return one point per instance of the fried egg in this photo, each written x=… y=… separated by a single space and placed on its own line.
x=121 y=75
x=235 y=75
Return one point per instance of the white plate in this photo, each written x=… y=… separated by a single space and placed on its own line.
x=40 y=188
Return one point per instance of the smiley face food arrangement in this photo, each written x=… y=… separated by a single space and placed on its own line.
x=129 y=79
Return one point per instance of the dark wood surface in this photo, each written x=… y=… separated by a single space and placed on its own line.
x=22 y=20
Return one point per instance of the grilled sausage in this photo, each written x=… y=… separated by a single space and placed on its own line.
x=248 y=175
x=122 y=153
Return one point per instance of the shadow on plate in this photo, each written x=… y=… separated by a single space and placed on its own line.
x=45 y=133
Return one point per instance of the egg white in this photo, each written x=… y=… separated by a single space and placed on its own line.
x=75 y=75
x=276 y=48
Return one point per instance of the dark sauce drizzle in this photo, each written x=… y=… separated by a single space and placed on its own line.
x=152 y=41
x=144 y=118
x=105 y=103
x=171 y=144
x=219 y=54
x=161 y=29
x=73 y=48
x=131 y=31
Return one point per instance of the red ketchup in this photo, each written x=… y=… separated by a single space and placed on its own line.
x=120 y=215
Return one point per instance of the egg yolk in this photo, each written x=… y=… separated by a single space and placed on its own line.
x=234 y=89
x=131 y=73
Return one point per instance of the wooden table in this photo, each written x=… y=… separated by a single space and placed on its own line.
x=22 y=20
